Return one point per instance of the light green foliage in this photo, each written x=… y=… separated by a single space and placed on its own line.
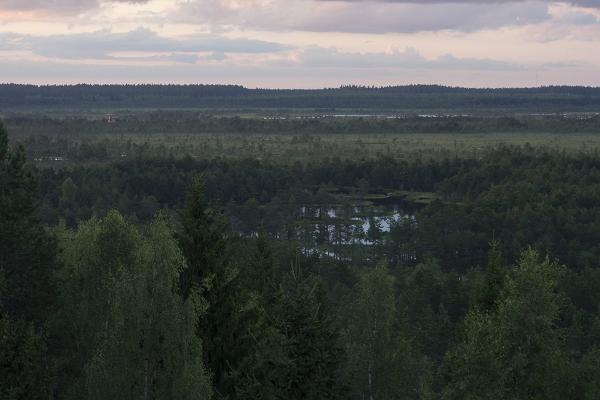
x=514 y=351
x=131 y=332
x=382 y=363
x=68 y=191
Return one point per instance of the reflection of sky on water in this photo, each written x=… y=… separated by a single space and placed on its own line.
x=355 y=231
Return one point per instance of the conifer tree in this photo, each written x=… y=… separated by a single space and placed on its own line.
x=27 y=290
x=27 y=251
x=224 y=327
x=312 y=343
x=261 y=374
x=493 y=279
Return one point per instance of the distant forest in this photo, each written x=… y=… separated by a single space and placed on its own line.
x=413 y=97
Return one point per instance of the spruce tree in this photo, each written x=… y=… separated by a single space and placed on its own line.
x=27 y=290
x=312 y=343
x=27 y=251
x=261 y=374
x=493 y=280
x=224 y=327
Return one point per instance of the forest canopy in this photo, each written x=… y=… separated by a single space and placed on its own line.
x=413 y=97
x=130 y=268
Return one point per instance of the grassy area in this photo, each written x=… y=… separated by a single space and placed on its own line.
x=290 y=148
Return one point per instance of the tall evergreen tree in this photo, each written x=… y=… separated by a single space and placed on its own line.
x=27 y=290
x=224 y=327
x=202 y=241
x=261 y=375
x=493 y=279
x=312 y=343
x=27 y=251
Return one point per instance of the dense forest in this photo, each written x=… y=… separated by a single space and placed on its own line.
x=543 y=99
x=92 y=138
x=162 y=276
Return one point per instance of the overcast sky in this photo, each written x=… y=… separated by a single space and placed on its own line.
x=301 y=43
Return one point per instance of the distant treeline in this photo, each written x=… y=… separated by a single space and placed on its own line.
x=188 y=122
x=551 y=98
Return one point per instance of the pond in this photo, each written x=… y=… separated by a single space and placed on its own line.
x=350 y=225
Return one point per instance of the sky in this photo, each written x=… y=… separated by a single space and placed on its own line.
x=301 y=43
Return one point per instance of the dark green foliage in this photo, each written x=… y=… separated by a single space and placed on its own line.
x=432 y=302
x=312 y=343
x=24 y=365
x=590 y=375
x=548 y=98
x=27 y=251
x=261 y=375
x=261 y=271
x=493 y=280
x=224 y=327
x=202 y=241
x=426 y=311
x=27 y=284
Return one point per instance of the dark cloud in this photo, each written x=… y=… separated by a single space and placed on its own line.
x=364 y=16
x=428 y=17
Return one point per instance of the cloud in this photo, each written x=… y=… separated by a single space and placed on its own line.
x=104 y=44
x=363 y=16
x=316 y=67
x=410 y=58
x=58 y=7
x=579 y=3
